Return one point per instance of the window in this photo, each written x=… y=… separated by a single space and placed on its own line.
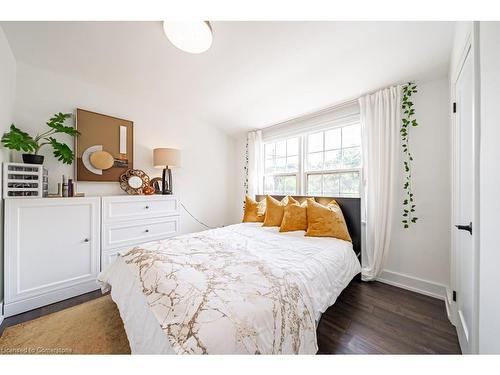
x=326 y=163
x=333 y=162
x=281 y=166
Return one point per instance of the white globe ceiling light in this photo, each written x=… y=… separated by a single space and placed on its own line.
x=192 y=37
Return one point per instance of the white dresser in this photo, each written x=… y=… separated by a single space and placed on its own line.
x=131 y=220
x=55 y=248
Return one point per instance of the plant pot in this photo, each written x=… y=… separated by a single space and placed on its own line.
x=32 y=159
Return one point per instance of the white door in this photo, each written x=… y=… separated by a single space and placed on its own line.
x=464 y=229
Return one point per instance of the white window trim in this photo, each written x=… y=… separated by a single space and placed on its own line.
x=302 y=174
x=306 y=173
x=337 y=116
x=280 y=174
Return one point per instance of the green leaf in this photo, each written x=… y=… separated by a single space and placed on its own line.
x=62 y=152
x=407 y=106
x=57 y=123
x=18 y=140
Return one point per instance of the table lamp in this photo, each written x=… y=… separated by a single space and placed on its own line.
x=166 y=158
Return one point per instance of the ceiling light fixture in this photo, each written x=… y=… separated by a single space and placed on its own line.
x=192 y=37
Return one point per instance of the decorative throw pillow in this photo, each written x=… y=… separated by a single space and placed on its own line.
x=254 y=211
x=275 y=210
x=326 y=221
x=294 y=217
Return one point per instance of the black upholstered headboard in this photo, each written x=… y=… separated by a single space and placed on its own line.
x=351 y=208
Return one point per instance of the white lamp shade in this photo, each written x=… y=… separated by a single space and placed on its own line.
x=163 y=157
x=192 y=37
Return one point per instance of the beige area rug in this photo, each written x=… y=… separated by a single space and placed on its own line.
x=94 y=327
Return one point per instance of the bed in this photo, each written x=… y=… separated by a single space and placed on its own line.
x=240 y=289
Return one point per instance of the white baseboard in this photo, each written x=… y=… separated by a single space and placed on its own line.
x=415 y=284
x=26 y=304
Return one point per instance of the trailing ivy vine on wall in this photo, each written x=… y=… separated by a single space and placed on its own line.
x=245 y=183
x=407 y=122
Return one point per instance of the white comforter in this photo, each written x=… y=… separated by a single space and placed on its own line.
x=239 y=289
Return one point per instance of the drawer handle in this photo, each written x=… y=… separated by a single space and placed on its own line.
x=147 y=231
x=147 y=207
x=86 y=240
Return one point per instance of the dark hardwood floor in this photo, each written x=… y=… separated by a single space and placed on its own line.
x=376 y=318
x=368 y=318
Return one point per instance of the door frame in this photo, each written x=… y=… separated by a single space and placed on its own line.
x=470 y=47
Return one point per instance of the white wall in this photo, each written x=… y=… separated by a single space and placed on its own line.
x=7 y=94
x=419 y=256
x=204 y=181
x=489 y=258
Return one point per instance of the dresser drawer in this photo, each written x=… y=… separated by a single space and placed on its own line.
x=138 y=207
x=121 y=234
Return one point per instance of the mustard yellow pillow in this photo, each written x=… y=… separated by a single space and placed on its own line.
x=275 y=210
x=326 y=221
x=254 y=211
x=294 y=217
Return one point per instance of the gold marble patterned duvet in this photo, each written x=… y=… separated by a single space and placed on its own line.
x=238 y=289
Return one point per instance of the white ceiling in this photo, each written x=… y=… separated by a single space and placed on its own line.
x=256 y=73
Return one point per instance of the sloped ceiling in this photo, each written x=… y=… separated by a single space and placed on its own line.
x=256 y=73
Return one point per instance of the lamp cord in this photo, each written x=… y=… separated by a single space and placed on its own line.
x=190 y=214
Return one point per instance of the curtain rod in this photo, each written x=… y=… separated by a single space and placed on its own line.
x=329 y=108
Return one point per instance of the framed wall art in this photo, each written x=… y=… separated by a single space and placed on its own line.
x=104 y=148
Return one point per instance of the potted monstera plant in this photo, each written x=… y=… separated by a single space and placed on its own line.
x=18 y=140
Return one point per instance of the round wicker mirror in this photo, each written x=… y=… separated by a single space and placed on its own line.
x=133 y=181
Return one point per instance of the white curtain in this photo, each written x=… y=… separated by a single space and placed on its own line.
x=380 y=125
x=254 y=163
